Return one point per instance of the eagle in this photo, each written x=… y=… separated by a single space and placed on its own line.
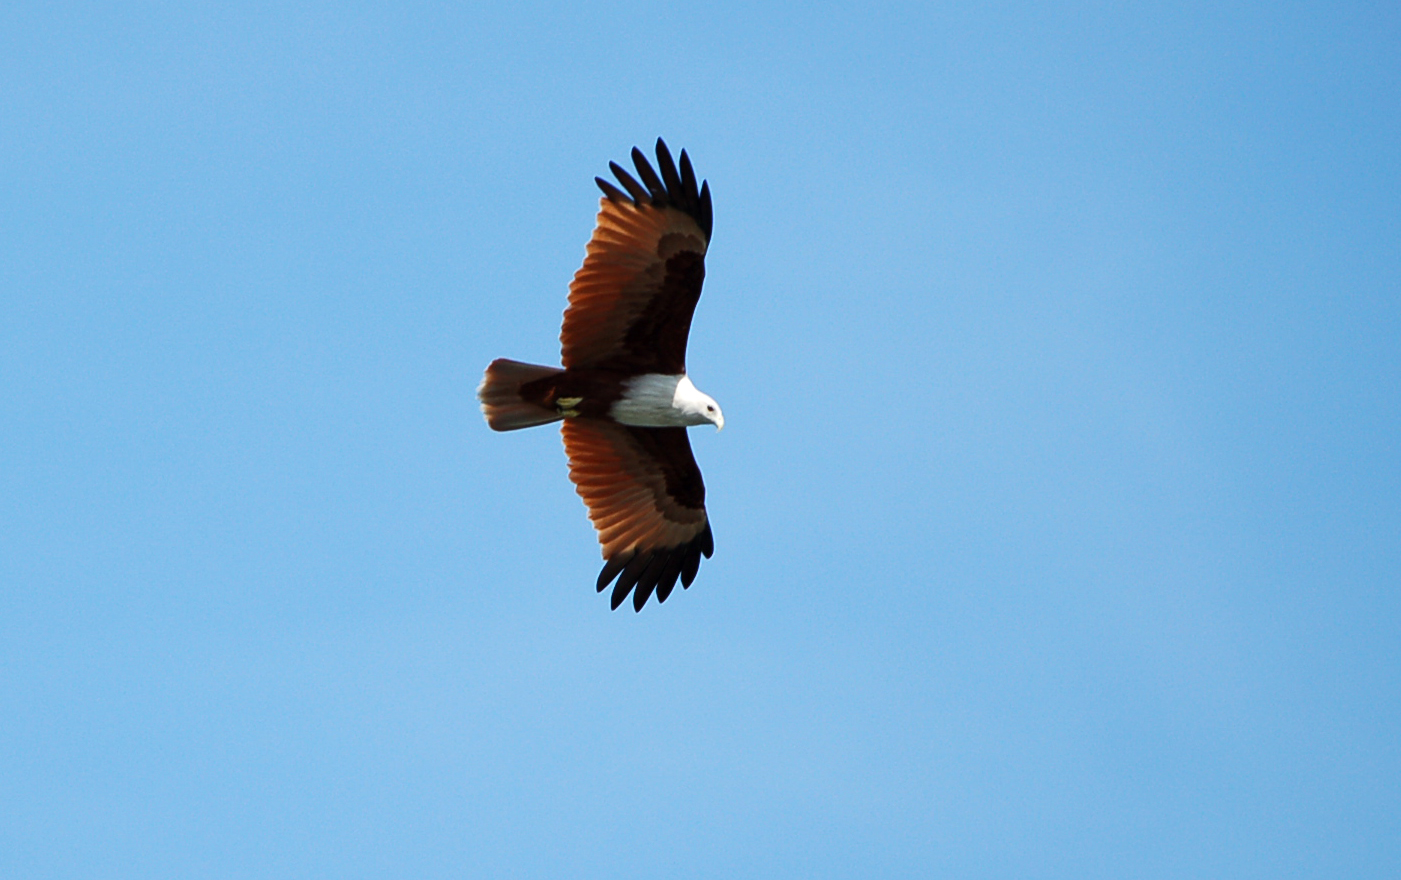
x=622 y=393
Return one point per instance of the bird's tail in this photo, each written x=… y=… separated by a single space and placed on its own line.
x=501 y=399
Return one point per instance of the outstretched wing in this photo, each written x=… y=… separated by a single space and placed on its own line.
x=630 y=304
x=647 y=501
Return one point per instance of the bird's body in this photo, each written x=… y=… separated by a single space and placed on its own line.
x=623 y=392
x=647 y=400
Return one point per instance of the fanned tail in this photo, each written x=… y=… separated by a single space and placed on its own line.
x=501 y=400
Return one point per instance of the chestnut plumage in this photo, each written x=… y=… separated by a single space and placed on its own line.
x=623 y=393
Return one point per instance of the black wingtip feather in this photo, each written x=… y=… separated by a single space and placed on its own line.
x=649 y=178
x=611 y=569
x=688 y=174
x=612 y=192
x=628 y=579
x=705 y=218
x=690 y=566
x=669 y=176
x=667 y=582
x=647 y=582
x=639 y=193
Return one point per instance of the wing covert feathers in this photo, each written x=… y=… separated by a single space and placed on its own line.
x=647 y=501
x=630 y=304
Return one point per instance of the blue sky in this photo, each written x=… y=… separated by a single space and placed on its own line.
x=1057 y=520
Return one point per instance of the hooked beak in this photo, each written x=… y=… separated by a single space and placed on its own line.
x=719 y=422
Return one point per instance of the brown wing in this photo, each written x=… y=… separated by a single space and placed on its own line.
x=630 y=304
x=647 y=501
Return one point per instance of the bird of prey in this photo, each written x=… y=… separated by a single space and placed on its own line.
x=623 y=394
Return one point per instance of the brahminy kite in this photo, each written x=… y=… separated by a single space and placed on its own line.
x=623 y=393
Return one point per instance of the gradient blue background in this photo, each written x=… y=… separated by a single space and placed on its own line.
x=1058 y=517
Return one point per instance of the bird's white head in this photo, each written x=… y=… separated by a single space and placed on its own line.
x=696 y=406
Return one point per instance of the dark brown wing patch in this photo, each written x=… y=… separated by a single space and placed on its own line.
x=630 y=304
x=647 y=501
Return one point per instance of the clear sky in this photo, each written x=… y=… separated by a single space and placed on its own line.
x=1057 y=517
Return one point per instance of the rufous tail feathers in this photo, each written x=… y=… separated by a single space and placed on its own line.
x=501 y=400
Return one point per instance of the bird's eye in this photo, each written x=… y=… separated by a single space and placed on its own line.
x=710 y=409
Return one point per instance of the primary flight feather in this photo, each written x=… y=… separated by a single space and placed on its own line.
x=623 y=393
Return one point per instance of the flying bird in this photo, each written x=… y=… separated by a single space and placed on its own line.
x=623 y=394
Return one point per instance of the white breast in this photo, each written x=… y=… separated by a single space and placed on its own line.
x=656 y=400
